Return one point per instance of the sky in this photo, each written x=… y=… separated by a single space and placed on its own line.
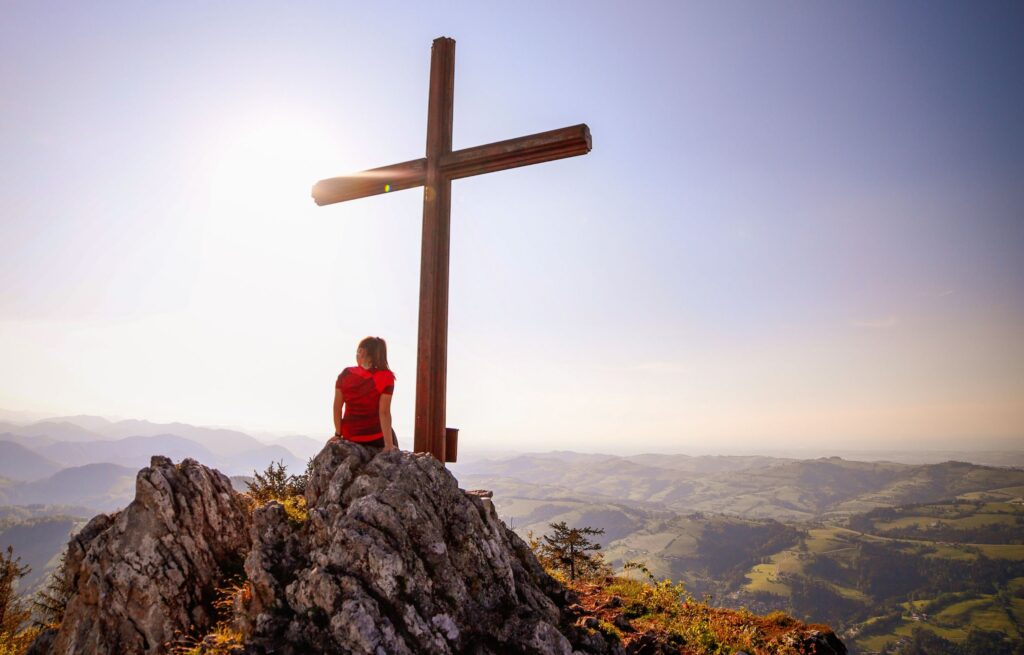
x=800 y=226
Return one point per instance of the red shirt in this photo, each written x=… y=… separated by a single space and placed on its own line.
x=362 y=389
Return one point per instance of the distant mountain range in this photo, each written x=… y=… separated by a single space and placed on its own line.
x=747 y=487
x=219 y=441
x=46 y=432
x=21 y=463
x=53 y=435
x=95 y=428
x=90 y=462
x=104 y=487
x=57 y=473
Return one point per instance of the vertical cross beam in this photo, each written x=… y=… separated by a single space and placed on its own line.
x=432 y=355
x=435 y=173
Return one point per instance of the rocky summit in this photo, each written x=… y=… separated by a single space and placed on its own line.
x=395 y=558
x=144 y=574
x=392 y=557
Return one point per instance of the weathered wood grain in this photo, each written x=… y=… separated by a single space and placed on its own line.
x=522 y=151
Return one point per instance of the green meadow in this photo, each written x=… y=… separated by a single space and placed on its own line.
x=874 y=549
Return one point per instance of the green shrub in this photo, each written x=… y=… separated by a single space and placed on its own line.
x=274 y=483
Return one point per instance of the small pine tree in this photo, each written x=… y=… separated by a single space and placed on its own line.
x=273 y=484
x=52 y=600
x=297 y=483
x=570 y=551
x=289 y=490
x=13 y=612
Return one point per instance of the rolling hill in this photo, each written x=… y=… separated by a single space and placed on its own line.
x=50 y=429
x=135 y=452
x=22 y=464
x=877 y=549
x=219 y=441
x=39 y=543
x=303 y=447
x=103 y=487
x=93 y=428
x=790 y=490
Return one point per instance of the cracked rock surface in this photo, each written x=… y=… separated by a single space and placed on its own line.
x=150 y=570
x=395 y=558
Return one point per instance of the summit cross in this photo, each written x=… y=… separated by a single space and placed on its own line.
x=435 y=173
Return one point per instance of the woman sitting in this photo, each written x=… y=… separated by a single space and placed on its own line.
x=362 y=398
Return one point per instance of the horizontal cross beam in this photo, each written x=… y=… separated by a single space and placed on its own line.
x=522 y=151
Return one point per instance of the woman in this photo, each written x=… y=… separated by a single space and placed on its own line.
x=363 y=394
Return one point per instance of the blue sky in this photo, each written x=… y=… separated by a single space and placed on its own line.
x=800 y=224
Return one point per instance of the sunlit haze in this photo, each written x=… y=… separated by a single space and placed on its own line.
x=801 y=225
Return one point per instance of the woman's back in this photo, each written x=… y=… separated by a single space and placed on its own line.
x=362 y=389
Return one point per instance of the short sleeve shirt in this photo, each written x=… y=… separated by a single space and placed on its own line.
x=362 y=390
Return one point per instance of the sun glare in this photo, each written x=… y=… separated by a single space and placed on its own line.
x=268 y=164
x=260 y=224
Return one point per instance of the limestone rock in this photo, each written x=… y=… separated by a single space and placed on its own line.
x=392 y=558
x=395 y=558
x=144 y=573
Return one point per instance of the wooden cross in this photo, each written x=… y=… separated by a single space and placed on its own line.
x=435 y=173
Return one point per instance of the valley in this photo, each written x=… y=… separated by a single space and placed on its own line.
x=875 y=549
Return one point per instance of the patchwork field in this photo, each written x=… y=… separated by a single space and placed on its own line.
x=956 y=586
x=877 y=550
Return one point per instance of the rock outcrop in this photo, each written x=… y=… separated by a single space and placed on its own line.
x=393 y=558
x=389 y=557
x=150 y=571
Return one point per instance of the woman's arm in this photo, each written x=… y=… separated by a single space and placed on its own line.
x=339 y=402
x=385 y=422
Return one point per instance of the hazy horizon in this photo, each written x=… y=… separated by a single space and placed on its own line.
x=800 y=225
x=980 y=454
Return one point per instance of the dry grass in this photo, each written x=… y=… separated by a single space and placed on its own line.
x=627 y=609
x=224 y=638
x=17 y=643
